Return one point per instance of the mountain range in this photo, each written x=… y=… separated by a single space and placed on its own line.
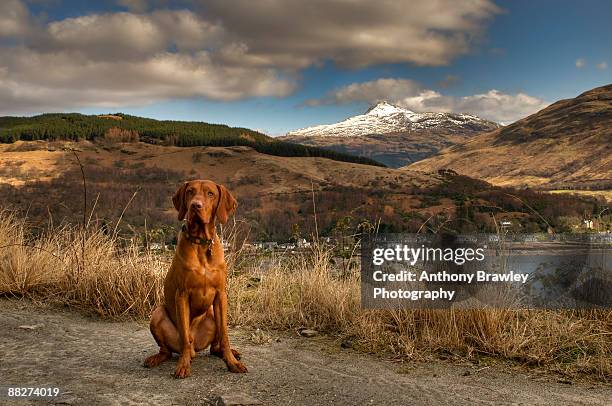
x=391 y=134
x=138 y=160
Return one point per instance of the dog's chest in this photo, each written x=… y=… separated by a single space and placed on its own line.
x=200 y=300
x=202 y=292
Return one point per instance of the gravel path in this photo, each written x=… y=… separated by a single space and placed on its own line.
x=100 y=363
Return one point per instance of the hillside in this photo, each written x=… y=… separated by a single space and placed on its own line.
x=275 y=194
x=122 y=127
x=567 y=145
x=392 y=135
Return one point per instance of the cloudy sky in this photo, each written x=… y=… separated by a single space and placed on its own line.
x=277 y=65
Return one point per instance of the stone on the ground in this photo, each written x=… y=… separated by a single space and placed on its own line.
x=31 y=327
x=308 y=333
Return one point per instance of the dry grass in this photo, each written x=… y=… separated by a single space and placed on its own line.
x=86 y=270
x=606 y=194
x=118 y=280
x=302 y=293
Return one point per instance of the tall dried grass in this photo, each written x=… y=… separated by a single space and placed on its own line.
x=303 y=293
x=119 y=280
x=84 y=269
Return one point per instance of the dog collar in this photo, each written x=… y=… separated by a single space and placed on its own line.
x=195 y=240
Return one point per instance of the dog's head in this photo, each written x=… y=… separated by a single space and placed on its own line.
x=203 y=201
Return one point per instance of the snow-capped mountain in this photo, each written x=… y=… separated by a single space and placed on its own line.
x=393 y=135
x=384 y=118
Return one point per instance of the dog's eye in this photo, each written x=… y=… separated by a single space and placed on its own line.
x=210 y=194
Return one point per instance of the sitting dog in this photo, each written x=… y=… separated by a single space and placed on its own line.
x=194 y=315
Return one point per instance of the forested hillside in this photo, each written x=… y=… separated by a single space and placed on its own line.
x=126 y=128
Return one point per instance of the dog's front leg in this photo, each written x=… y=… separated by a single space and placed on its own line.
x=220 y=310
x=183 y=368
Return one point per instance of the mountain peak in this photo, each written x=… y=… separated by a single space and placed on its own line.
x=385 y=118
x=384 y=108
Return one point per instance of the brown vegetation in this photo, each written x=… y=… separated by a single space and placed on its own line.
x=116 y=134
x=110 y=116
x=567 y=145
x=92 y=271
x=274 y=193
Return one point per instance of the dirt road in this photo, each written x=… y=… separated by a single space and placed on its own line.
x=95 y=362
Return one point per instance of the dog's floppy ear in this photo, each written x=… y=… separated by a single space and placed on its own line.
x=227 y=204
x=179 y=201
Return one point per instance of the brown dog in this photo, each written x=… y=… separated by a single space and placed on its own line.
x=194 y=315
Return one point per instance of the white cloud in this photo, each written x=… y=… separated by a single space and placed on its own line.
x=297 y=33
x=373 y=91
x=14 y=18
x=602 y=65
x=499 y=106
x=493 y=105
x=580 y=63
x=121 y=59
x=71 y=80
x=220 y=50
x=131 y=36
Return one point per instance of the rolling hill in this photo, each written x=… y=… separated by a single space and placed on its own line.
x=567 y=145
x=391 y=134
x=123 y=127
x=42 y=181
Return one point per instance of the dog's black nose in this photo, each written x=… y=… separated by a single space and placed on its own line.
x=196 y=204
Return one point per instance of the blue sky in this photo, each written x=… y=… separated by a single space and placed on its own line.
x=291 y=64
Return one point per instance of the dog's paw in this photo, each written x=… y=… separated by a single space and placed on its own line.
x=237 y=367
x=155 y=360
x=218 y=353
x=183 y=369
